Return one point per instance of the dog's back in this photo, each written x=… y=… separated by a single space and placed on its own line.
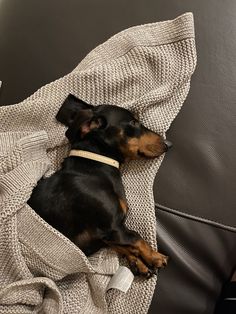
x=81 y=195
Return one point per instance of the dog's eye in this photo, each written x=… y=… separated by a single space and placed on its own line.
x=134 y=123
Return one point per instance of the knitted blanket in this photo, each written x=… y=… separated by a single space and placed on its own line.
x=146 y=69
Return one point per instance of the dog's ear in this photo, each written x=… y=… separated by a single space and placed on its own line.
x=69 y=110
x=79 y=125
x=83 y=123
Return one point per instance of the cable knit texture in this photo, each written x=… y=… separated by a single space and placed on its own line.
x=146 y=69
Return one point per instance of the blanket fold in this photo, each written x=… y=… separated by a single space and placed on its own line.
x=145 y=69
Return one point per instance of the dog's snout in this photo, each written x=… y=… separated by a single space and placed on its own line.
x=168 y=144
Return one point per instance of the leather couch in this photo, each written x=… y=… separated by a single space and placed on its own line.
x=195 y=187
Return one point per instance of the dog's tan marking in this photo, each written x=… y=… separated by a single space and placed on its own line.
x=149 y=144
x=123 y=205
x=141 y=256
x=130 y=149
x=134 y=261
x=150 y=256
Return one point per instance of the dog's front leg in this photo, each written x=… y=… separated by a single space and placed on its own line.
x=143 y=260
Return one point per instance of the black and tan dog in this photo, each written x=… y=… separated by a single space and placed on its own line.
x=85 y=199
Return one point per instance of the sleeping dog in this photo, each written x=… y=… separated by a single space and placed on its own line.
x=85 y=199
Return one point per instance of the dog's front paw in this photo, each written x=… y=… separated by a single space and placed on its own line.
x=138 y=268
x=159 y=260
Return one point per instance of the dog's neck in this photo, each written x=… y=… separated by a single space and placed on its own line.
x=93 y=156
x=93 y=146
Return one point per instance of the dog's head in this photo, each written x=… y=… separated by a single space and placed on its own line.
x=111 y=126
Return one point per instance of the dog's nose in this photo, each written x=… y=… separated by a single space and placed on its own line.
x=168 y=144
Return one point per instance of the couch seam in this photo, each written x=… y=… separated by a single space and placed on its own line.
x=196 y=218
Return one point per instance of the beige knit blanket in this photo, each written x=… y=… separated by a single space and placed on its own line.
x=146 y=69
